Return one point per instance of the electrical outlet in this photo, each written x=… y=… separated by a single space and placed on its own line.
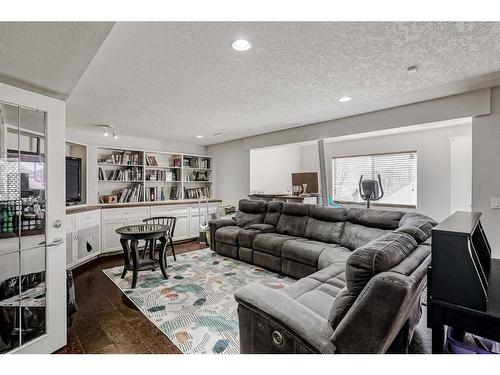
x=495 y=203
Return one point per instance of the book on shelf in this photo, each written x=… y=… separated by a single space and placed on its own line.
x=196 y=176
x=195 y=193
x=151 y=160
x=122 y=157
x=161 y=193
x=162 y=175
x=129 y=174
x=196 y=162
x=133 y=194
x=177 y=162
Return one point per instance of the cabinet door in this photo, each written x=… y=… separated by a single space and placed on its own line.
x=87 y=242
x=110 y=239
x=181 y=228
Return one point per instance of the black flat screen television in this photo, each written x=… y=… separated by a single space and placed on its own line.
x=73 y=179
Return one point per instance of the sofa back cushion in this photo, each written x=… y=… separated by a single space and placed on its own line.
x=354 y=235
x=416 y=225
x=250 y=212
x=293 y=219
x=273 y=212
x=382 y=219
x=377 y=256
x=325 y=224
x=363 y=264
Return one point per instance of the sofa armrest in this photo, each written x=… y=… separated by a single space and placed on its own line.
x=215 y=224
x=377 y=315
x=284 y=314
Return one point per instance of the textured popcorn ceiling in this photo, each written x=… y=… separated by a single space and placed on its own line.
x=177 y=80
x=48 y=57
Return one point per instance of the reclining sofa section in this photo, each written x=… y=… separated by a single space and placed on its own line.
x=360 y=275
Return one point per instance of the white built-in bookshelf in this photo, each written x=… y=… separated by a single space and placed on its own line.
x=152 y=176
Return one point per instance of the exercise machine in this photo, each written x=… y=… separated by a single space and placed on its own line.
x=370 y=190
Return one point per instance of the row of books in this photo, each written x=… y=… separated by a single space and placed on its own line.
x=161 y=175
x=151 y=161
x=195 y=193
x=196 y=176
x=133 y=194
x=162 y=193
x=130 y=174
x=193 y=162
x=124 y=157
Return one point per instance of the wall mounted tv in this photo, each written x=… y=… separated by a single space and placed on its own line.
x=73 y=180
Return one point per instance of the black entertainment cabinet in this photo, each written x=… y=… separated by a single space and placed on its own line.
x=463 y=281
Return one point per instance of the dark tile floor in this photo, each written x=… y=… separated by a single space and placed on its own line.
x=108 y=323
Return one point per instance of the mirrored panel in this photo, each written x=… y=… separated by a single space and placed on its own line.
x=33 y=292
x=9 y=302
x=22 y=226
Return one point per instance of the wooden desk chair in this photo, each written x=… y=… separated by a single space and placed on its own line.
x=163 y=220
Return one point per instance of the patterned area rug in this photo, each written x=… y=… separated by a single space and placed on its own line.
x=195 y=307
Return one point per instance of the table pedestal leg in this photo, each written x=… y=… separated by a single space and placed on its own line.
x=135 y=261
x=162 y=257
x=126 y=257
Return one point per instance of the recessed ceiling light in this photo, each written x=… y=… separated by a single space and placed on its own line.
x=344 y=99
x=199 y=136
x=241 y=45
x=218 y=134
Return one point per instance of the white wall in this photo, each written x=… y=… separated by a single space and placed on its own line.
x=93 y=139
x=433 y=161
x=485 y=169
x=232 y=171
x=271 y=168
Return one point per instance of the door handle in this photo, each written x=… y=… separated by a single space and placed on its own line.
x=57 y=241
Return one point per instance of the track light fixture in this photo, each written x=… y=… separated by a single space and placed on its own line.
x=109 y=130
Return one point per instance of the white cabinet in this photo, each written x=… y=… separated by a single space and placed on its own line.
x=83 y=232
x=181 y=212
x=92 y=232
x=114 y=218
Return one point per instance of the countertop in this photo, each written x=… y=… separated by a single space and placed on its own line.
x=97 y=206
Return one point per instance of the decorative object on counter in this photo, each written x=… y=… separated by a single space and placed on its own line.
x=109 y=199
x=304 y=191
x=308 y=178
x=296 y=189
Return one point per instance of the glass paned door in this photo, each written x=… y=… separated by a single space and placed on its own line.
x=22 y=226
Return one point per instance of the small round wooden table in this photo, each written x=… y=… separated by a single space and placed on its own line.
x=129 y=239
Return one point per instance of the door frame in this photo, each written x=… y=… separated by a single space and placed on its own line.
x=56 y=330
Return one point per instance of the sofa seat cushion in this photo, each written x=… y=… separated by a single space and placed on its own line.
x=416 y=225
x=317 y=292
x=228 y=235
x=304 y=251
x=331 y=255
x=270 y=243
x=246 y=236
x=355 y=235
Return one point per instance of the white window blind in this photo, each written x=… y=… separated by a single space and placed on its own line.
x=398 y=173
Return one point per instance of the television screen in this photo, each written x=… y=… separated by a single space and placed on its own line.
x=73 y=180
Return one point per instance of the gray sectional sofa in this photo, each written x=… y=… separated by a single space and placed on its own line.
x=360 y=275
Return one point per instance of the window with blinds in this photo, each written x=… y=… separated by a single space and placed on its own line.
x=398 y=173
